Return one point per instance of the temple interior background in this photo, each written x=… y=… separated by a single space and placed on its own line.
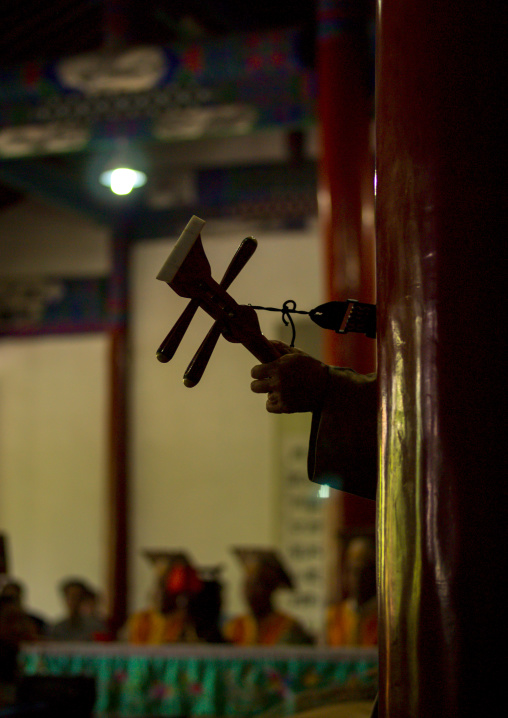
x=204 y=462
x=259 y=119
x=205 y=468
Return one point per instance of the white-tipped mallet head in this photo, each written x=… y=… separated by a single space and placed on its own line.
x=181 y=249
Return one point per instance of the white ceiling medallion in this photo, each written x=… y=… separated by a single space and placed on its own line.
x=134 y=70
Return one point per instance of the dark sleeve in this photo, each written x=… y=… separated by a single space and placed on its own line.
x=343 y=440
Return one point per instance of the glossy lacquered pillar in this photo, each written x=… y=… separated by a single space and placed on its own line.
x=440 y=248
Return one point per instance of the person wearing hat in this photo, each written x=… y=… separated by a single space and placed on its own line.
x=263 y=624
x=167 y=620
x=353 y=621
x=204 y=609
x=16 y=628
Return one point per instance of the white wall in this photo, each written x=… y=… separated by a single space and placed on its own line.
x=53 y=461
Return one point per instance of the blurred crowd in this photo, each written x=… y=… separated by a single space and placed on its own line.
x=185 y=604
x=81 y=619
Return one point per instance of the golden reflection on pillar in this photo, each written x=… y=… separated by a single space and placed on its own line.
x=400 y=559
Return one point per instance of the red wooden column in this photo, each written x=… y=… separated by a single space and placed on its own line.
x=116 y=23
x=118 y=445
x=441 y=358
x=346 y=191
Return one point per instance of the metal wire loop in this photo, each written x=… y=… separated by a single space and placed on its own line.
x=288 y=308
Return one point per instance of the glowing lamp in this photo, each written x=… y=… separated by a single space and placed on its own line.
x=122 y=180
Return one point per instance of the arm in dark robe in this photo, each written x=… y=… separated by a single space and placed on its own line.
x=343 y=439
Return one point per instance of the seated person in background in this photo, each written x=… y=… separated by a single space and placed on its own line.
x=37 y=696
x=167 y=620
x=204 y=608
x=264 y=625
x=90 y=611
x=89 y=603
x=16 y=627
x=15 y=590
x=353 y=621
x=79 y=625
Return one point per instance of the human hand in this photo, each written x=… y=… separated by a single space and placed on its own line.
x=295 y=382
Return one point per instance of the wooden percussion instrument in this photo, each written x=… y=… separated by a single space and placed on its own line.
x=187 y=271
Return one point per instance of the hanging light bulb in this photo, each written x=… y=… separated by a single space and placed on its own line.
x=123 y=180
x=120 y=175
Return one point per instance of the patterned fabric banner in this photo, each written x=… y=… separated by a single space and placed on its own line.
x=210 y=681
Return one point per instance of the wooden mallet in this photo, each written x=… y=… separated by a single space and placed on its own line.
x=187 y=271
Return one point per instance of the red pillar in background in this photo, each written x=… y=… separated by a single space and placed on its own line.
x=440 y=213
x=116 y=24
x=118 y=466
x=346 y=190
